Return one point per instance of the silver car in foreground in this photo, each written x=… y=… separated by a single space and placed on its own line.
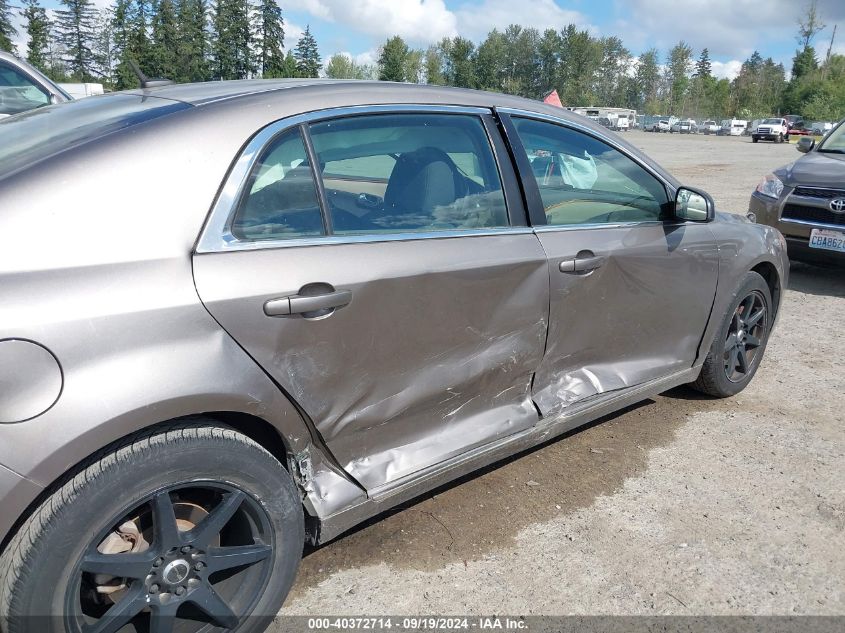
x=239 y=317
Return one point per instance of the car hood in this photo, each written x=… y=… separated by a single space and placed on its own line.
x=814 y=169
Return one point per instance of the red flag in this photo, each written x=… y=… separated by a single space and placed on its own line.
x=553 y=99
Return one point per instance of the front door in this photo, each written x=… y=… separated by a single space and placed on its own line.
x=631 y=290
x=390 y=296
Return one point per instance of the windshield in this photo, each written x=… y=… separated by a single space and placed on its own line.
x=35 y=135
x=835 y=140
x=772 y=121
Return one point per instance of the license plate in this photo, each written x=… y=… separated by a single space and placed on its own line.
x=828 y=240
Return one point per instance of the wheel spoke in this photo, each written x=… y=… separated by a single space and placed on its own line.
x=752 y=341
x=220 y=558
x=164 y=522
x=742 y=362
x=754 y=319
x=120 y=614
x=731 y=342
x=216 y=519
x=163 y=617
x=210 y=603
x=119 y=565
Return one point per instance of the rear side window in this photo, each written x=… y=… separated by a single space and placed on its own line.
x=391 y=173
x=585 y=181
x=280 y=199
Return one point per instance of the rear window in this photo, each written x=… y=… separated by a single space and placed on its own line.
x=33 y=136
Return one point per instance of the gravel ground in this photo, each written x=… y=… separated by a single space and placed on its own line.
x=680 y=505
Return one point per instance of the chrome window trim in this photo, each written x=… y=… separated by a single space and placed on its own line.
x=551 y=228
x=217 y=236
x=529 y=114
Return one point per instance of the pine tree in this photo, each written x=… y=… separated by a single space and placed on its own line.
x=192 y=46
x=164 y=40
x=75 y=30
x=307 y=55
x=232 y=50
x=124 y=77
x=289 y=68
x=7 y=31
x=270 y=39
x=38 y=30
x=703 y=68
x=392 y=60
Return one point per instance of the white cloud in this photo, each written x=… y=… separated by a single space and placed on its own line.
x=292 y=34
x=726 y=70
x=477 y=18
x=414 y=20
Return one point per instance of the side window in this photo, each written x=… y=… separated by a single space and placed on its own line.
x=388 y=173
x=280 y=198
x=18 y=93
x=585 y=181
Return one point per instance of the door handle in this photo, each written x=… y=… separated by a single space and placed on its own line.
x=305 y=304
x=581 y=264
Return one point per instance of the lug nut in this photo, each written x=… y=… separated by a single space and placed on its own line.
x=199 y=566
x=180 y=591
x=158 y=562
x=154 y=588
x=186 y=549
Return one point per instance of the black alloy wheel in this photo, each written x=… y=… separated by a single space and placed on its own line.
x=745 y=336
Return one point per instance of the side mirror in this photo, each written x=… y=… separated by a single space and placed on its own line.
x=805 y=144
x=694 y=205
x=54 y=99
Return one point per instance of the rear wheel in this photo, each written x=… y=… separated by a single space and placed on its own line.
x=738 y=347
x=754 y=139
x=191 y=528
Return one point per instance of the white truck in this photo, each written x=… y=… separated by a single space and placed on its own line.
x=775 y=129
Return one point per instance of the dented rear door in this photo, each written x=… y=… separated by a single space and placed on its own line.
x=425 y=343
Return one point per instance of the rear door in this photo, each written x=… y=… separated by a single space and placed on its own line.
x=631 y=288
x=396 y=294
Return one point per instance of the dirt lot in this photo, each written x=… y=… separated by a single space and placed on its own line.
x=681 y=505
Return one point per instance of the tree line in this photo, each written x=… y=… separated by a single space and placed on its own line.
x=201 y=40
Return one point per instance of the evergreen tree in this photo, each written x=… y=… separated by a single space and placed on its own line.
x=124 y=77
x=103 y=45
x=164 y=41
x=271 y=39
x=192 y=41
x=307 y=55
x=434 y=66
x=392 y=60
x=38 y=31
x=703 y=68
x=289 y=69
x=232 y=50
x=7 y=31
x=75 y=30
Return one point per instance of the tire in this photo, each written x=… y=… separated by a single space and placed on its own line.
x=780 y=138
x=714 y=379
x=754 y=139
x=200 y=470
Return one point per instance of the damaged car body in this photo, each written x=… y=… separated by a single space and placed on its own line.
x=326 y=299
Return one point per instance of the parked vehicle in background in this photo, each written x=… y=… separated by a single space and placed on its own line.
x=80 y=91
x=686 y=126
x=752 y=127
x=23 y=87
x=605 y=122
x=775 y=129
x=820 y=128
x=204 y=377
x=623 y=123
x=662 y=126
x=805 y=200
x=709 y=127
x=733 y=127
x=796 y=125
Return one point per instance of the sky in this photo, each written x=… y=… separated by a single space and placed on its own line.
x=730 y=29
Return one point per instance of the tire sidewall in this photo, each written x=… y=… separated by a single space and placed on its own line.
x=752 y=282
x=58 y=549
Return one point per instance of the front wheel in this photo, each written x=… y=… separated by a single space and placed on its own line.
x=191 y=527
x=754 y=139
x=738 y=347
